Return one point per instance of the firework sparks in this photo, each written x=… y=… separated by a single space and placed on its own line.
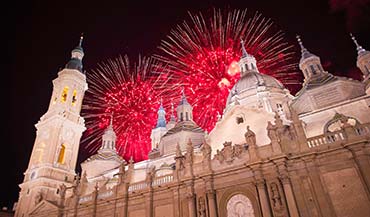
x=203 y=55
x=132 y=95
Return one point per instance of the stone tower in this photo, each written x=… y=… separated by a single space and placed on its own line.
x=54 y=155
x=160 y=129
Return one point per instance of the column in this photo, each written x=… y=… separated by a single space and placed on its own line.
x=325 y=206
x=191 y=205
x=212 y=204
x=292 y=206
x=262 y=194
x=359 y=152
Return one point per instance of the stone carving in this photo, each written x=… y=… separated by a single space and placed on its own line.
x=38 y=198
x=189 y=152
x=250 y=137
x=201 y=207
x=62 y=190
x=239 y=205
x=271 y=131
x=272 y=134
x=121 y=173
x=206 y=150
x=229 y=152
x=150 y=175
x=275 y=196
x=179 y=158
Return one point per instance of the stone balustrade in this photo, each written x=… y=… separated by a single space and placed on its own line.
x=363 y=129
x=85 y=199
x=325 y=139
x=137 y=186
x=337 y=136
x=158 y=181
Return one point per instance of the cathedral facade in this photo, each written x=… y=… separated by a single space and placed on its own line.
x=270 y=154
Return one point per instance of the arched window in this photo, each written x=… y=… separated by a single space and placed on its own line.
x=61 y=156
x=181 y=116
x=64 y=94
x=74 y=98
x=187 y=116
x=239 y=205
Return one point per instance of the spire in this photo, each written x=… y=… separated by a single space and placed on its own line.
x=247 y=62
x=360 y=50
x=183 y=101
x=305 y=53
x=244 y=51
x=110 y=127
x=76 y=57
x=161 y=122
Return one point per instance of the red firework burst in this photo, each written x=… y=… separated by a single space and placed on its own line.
x=203 y=55
x=132 y=95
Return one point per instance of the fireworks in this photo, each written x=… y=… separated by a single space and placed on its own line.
x=132 y=95
x=203 y=55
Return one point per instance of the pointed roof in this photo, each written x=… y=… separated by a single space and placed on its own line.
x=161 y=121
x=305 y=53
x=183 y=100
x=360 y=51
x=76 y=58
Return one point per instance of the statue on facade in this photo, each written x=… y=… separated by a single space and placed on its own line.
x=150 y=175
x=189 y=152
x=275 y=196
x=219 y=156
x=201 y=207
x=206 y=151
x=250 y=137
x=38 y=198
x=271 y=131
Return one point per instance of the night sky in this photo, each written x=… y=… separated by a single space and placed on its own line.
x=41 y=35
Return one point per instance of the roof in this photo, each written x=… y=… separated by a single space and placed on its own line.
x=189 y=126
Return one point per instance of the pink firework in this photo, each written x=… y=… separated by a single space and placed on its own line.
x=131 y=94
x=203 y=55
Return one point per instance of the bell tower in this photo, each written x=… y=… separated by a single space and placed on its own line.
x=58 y=132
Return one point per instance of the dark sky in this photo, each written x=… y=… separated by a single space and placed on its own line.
x=41 y=34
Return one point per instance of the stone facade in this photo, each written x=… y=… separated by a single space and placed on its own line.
x=261 y=160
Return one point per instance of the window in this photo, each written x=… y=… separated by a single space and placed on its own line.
x=74 y=98
x=306 y=72
x=313 y=70
x=61 y=154
x=181 y=116
x=187 y=116
x=253 y=67
x=64 y=94
x=279 y=107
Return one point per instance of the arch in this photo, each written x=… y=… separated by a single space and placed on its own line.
x=61 y=156
x=239 y=205
x=64 y=94
x=239 y=192
x=337 y=122
x=74 y=97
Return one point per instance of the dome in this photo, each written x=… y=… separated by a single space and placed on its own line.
x=253 y=80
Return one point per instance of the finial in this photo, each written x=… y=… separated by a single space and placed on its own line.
x=244 y=51
x=303 y=49
x=81 y=39
x=359 y=48
x=111 y=119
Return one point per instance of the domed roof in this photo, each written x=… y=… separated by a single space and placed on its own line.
x=252 y=80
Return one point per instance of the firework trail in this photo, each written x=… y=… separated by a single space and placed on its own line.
x=131 y=93
x=203 y=53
